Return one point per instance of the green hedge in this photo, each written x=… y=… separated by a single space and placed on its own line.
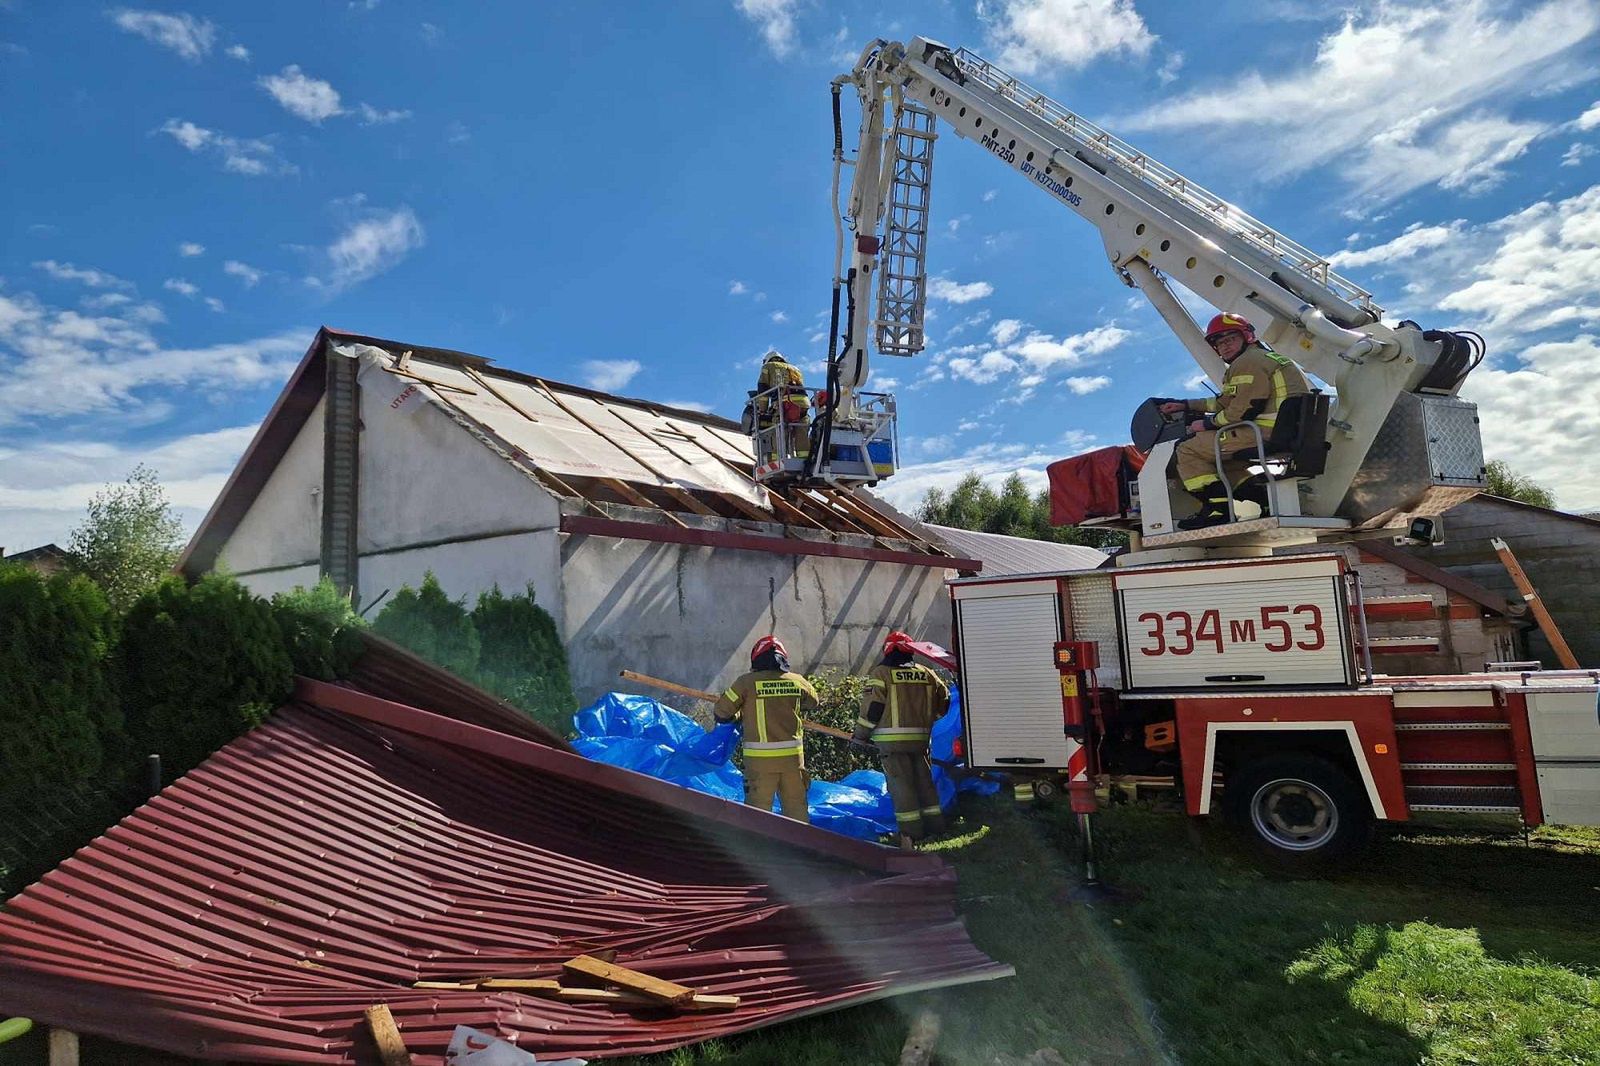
x=507 y=645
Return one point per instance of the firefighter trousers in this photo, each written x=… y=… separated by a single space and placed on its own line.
x=1197 y=460
x=780 y=775
x=916 y=801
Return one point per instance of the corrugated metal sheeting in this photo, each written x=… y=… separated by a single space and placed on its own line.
x=352 y=846
x=1002 y=555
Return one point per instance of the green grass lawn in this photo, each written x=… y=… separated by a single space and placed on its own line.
x=1442 y=945
x=1455 y=945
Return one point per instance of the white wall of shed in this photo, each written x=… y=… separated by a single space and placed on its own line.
x=284 y=525
x=272 y=582
x=690 y=614
x=467 y=568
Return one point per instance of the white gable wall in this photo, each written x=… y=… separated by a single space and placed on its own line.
x=282 y=530
x=433 y=496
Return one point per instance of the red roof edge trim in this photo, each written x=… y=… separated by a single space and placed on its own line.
x=276 y=432
x=576 y=768
x=716 y=538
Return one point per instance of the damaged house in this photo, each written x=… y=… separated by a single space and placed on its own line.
x=636 y=524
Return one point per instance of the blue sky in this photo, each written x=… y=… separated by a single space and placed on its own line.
x=635 y=196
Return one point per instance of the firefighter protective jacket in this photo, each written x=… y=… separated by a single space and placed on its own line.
x=772 y=704
x=1253 y=387
x=900 y=705
x=780 y=373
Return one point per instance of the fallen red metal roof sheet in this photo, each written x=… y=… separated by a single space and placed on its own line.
x=351 y=846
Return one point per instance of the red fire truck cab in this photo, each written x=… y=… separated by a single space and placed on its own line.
x=1245 y=680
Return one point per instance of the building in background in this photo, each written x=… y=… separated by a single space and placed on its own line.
x=636 y=524
x=46 y=558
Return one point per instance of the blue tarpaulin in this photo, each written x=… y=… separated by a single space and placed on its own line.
x=641 y=734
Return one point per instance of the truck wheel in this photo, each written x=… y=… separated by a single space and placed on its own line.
x=1046 y=789
x=1300 y=811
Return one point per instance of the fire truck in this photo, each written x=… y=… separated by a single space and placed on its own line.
x=1230 y=657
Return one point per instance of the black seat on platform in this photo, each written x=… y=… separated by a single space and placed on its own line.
x=1299 y=437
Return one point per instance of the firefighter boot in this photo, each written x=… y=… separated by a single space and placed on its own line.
x=1213 y=507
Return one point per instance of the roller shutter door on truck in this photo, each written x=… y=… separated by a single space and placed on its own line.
x=1012 y=691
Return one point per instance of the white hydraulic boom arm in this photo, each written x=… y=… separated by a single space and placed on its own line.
x=1155 y=225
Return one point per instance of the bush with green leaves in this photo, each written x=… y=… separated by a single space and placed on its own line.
x=507 y=645
x=522 y=657
x=58 y=716
x=829 y=758
x=129 y=539
x=321 y=630
x=199 y=666
x=434 y=626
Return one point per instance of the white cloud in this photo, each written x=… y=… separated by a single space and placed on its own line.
x=371 y=246
x=956 y=292
x=1041 y=351
x=1085 y=385
x=1417 y=238
x=215 y=304
x=301 y=95
x=1450 y=70
x=989 y=195
x=1034 y=36
x=689 y=405
x=1590 y=118
x=737 y=288
x=243 y=271
x=986 y=368
x=1005 y=331
x=779 y=316
x=45 y=487
x=994 y=463
x=1169 y=69
x=115 y=363
x=186 y=35
x=372 y=116
x=609 y=375
x=181 y=287
x=775 y=19
x=189 y=249
x=95 y=279
x=239 y=52
x=254 y=157
x=1576 y=153
x=457 y=132
x=431 y=34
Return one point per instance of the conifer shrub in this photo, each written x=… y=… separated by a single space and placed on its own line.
x=433 y=626
x=199 y=666
x=522 y=657
x=321 y=630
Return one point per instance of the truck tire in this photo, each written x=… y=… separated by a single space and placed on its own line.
x=1301 y=813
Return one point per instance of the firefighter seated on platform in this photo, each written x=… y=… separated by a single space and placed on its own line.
x=781 y=396
x=770 y=703
x=1256 y=382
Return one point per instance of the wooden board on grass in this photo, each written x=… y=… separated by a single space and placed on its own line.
x=587 y=968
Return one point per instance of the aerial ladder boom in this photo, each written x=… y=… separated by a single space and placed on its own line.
x=1157 y=226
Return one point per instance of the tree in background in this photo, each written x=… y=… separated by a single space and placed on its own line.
x=199 y=666
x=1506 y=482
x=1011 y=511
x=434 y=626
x=507 y=645
x=522 y=657
x=130 y=539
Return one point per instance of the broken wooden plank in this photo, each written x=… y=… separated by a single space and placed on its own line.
x=448 y=986
x=1541 y=614
x=587 y=966
x=386 y=1034
x=918 y=1049
x=618 y=997
x=639 y=499
x=520 y=984
x=63 y=1047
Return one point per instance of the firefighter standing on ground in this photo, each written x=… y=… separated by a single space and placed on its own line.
x=771 y=702
x=902 y=701
x=1255 y=384
x=789 y=404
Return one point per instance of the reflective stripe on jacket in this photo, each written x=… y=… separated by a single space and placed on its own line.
x=1254 y=387
x=772 y=706
x=913 y=698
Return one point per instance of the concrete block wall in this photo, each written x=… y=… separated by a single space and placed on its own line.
x=1561 y=554
x=1467 y=635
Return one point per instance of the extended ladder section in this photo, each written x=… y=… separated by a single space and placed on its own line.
x=1291 y=264
x=903 y=277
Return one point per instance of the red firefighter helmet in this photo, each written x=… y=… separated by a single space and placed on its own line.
x=1228 y=322
x=898 y=640
x=766 y=644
